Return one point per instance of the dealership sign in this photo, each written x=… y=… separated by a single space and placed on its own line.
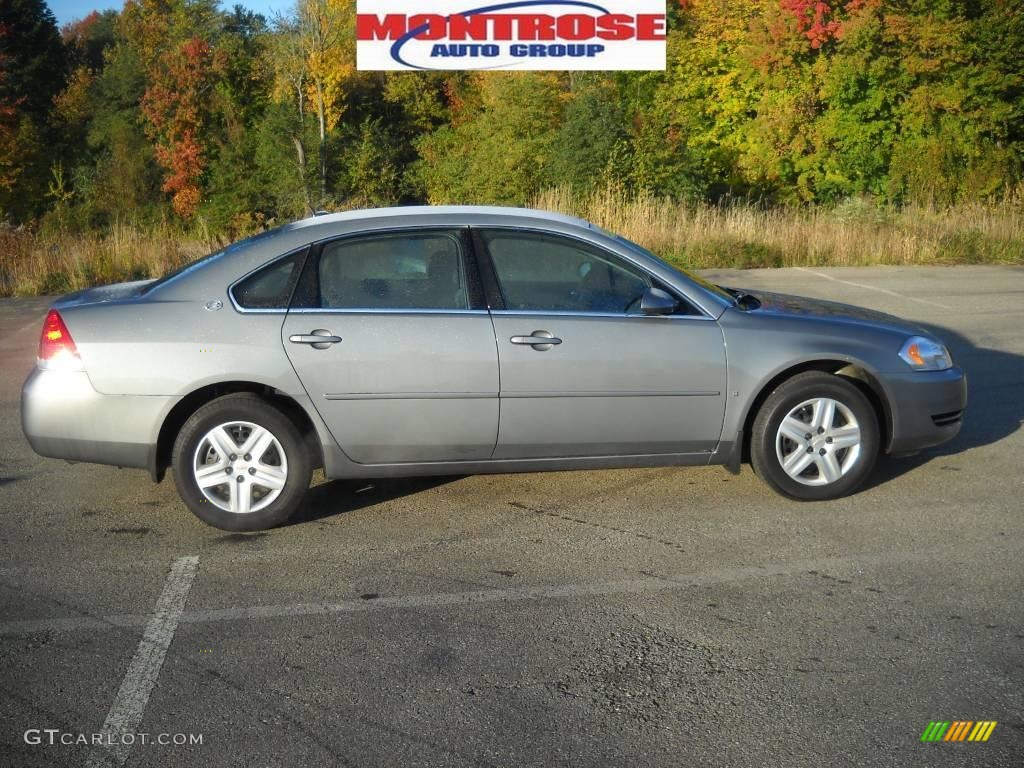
x=520 y=35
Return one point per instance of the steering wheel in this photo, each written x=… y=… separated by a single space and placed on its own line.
x=631 y=303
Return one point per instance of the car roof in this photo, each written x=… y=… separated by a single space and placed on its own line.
x=439 y=211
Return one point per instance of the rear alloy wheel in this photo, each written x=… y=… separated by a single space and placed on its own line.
x=240 y=464
x=240 y=467
x=816 y=437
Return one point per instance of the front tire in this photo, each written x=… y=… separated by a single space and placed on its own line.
x=816 y=437
x=240 y=464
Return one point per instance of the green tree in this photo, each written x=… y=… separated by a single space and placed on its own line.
x=590 y=145
x=87 y=40
x=37 y=62
x=35 y=68
x=504 y=152
x=118 y=177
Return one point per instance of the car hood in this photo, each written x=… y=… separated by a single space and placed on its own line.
x=102 y=294
x=801 y=306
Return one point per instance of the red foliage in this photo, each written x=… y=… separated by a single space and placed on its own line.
x=174 y=104
x=455 y=101
x=819 y=21
x=75 y=32
x=814 y=19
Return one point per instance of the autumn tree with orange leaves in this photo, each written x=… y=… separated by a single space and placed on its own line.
x=175 y=106
x=171 y=36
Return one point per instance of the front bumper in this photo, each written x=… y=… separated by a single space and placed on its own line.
x=63 y=417
x=926 y=408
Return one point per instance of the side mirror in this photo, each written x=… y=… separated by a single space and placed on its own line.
x=657 y=302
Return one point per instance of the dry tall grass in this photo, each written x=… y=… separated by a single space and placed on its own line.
x=33 y=264
x=693 y=235
x=855 y=234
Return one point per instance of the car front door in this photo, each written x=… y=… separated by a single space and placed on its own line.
x=583 y=372
x=392 y=341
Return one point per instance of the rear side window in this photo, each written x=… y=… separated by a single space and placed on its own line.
x=423 y=270
x=270 y=287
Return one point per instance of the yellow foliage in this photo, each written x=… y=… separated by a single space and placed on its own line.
x=327 y=32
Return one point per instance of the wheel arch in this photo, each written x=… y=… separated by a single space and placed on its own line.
x=852 y=370
x=160 y=453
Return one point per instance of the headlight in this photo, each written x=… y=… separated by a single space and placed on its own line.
x=923 y=354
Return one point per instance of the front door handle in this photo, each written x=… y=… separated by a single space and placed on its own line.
x=542 y=341
x=318 y=339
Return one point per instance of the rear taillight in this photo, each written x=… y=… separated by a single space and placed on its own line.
x=57 y=349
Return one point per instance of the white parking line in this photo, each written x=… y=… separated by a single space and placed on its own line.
x=872 y=288
x=654 y=583
x=130 y=703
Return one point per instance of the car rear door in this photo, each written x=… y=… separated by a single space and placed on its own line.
x=391 y=338
x=583 y=373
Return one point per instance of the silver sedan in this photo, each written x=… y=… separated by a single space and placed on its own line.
x=432 y=341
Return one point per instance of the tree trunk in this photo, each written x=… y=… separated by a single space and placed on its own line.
x=320 y=111
x=301 y=156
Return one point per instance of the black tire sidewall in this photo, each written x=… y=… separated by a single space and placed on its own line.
x=778 y=405
x=256 y=410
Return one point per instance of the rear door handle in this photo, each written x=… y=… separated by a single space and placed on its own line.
x=542 y=341
x=318 y=339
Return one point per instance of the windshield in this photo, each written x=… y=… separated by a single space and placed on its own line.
x=708 y=286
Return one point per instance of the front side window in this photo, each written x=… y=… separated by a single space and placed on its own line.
x=393 y=271
x=540 y=272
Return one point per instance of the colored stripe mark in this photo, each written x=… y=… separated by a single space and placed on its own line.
x=935 y=730
x=982 y=730
x=958 y=730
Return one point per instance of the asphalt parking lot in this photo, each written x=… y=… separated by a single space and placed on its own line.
x=623 y=618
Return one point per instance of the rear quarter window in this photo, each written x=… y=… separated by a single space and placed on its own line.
x=271 y=286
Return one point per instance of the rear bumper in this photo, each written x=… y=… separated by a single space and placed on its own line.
x=63 y=417
x=927 y=408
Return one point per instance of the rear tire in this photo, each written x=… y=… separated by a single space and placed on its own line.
x=240 y=464
x=815 y=438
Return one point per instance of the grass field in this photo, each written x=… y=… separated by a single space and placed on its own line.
x=692 y=235
x=32 y=264
x=854 y=234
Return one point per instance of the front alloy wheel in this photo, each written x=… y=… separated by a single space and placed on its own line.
x=816 y=437
x=818 y=442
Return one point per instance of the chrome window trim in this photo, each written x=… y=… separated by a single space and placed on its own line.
x=244 y=311
x=378 y=311
x=501 y=312
x=618 y=316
